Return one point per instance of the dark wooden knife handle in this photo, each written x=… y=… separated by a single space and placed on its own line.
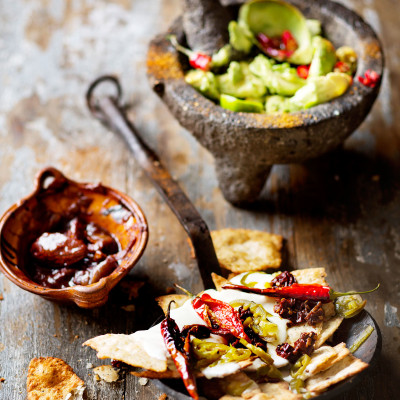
x=110 y=112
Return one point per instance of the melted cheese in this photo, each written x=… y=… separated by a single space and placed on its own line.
x=152 y=341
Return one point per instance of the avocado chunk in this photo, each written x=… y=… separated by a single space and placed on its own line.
x=278 y=78
x=321 y=89
x=239 y=82
x=276 y=104
x=324 y=57
x=272 y=18
x=240 y=37
x=204 y=82
x=238 y=105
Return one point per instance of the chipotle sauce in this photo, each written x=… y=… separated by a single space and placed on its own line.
x=75 y=251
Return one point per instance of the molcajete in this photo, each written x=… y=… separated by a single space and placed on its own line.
x=246 y=145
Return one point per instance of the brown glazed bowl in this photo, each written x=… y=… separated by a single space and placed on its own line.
x=246 y=145
x=54 y=195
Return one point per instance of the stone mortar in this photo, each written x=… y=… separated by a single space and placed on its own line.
x=246 y=145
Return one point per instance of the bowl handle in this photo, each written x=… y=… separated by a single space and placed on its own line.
x=49 y=178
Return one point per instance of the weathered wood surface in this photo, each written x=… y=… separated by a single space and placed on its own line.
x=341 y=211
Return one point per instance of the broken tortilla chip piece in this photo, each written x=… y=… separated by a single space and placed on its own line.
x=310 y=276
x=125 y=348
x=178 y=299
x=51 y=378
x=241 y=250
x=219 y=281
x=107 y=373
x=341 y=370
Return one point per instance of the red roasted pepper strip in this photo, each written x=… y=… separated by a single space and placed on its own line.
x=316 y=292
x=175 y=345
x=225 y=315
x=196 y=60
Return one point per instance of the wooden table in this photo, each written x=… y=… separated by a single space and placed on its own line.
x=341 y=211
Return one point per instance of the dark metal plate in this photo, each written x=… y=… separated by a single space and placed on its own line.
x=348 y=332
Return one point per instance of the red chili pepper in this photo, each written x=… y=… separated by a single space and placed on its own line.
x=178 y=348
x=325 y=294
x=303 y=70
x=370 y=78
x=196 y=60
x=222 y=314
x=200 y=61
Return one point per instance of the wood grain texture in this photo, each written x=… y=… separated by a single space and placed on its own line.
x=341 y=211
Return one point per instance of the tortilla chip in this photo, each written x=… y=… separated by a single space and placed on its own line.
x=168 y=374
x=241 y=250
x=124 y=348
x=219 y=281
x=107 y=373
x=294 y=332
x=179 y=300
x=341 y=370
x=276 y=391
x=228 y=388
x=51 y=378
x=310 y=276
x=329 y=310
x=321 y=359
x=328 y=329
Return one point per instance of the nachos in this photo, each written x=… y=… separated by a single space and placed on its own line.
x=259 y=336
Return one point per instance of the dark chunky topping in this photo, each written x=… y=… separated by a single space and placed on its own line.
x=73 y=252
x=299 y=311
x=304 y=345
x=283 y=279
x=198 y=331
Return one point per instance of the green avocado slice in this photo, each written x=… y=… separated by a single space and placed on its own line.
x=273 y=17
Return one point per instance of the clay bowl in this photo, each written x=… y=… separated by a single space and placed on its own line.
x=54 y=195
x=245 y=146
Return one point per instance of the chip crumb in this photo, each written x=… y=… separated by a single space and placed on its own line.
x=76 y=337
x=143 y=381
x=1 y=296
x=107 y=373
x=129 y=308
x=163 y=397
x=2 y=379
x=89 y=365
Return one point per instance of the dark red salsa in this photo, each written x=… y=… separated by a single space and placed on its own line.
x=75 y=251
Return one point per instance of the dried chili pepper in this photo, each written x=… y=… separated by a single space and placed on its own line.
x=316 y=292
x=219 y=315
x=178 y=348
x=370 y=78
x=196 y=60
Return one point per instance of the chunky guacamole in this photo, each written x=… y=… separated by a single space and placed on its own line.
x=276 y=61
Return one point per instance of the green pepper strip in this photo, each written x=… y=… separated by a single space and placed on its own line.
x=361 y=339
x=212 y=354
x=300 y=366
